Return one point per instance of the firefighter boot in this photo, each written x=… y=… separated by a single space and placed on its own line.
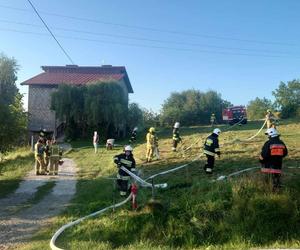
x=208 y=169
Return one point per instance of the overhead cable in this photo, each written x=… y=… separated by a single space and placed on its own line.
x=47 y=27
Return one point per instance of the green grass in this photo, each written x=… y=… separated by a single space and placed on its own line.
x=193 y=212
x=15 y=165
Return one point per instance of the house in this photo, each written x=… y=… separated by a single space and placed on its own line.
x=42 y=85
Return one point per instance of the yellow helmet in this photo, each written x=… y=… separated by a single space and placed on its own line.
x=268 y=110
x=151 y=130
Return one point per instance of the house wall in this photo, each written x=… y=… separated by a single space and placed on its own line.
x=40 y=115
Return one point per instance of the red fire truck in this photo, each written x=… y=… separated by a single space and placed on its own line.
x=235 y=114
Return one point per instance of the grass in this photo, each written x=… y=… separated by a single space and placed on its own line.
x=15 y=165
x=193 y=212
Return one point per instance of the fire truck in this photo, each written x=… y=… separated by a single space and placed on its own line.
x=235 y=114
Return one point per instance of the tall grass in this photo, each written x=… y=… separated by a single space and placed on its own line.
x=15 y=165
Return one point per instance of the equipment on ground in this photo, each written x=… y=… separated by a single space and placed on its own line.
x=235 y=114
x=110 y=144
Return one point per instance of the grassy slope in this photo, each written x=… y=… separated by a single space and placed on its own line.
x=13 y=168
x=194 y=212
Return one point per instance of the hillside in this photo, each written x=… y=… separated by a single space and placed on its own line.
x=195 y=211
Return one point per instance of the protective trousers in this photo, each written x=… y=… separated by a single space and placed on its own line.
x=210 y=164
x=39 y=165
x=122 y=182
x=47 y=159
x=149 y=153
x=175 y=143
x=53 y=169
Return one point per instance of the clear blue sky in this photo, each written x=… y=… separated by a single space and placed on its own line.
x=242 y=49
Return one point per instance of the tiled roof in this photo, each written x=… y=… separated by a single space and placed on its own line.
x=77 y=75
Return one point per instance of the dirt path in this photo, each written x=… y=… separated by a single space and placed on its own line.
x=17 y=223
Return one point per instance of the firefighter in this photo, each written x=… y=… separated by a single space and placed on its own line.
x=212 y=119
x=47 y=154
x=133 y=135
x=39 y=157
x=272 y=153
x=126 y=160
x=271 y=119
x=176 y=136
x=150 y=137
x=43 y=135
x=55 y=158
x=211 y=148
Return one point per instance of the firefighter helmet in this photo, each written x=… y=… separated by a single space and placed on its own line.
x=217 y=131
x=176 y=125
x=152 y=130
x=128 y=148
x=271 y=132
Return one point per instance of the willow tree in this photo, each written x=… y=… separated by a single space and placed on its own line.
x=68 y=103
x=105 y=107
x=98 y=106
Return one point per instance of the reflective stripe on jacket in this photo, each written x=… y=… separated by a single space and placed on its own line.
x=125 y=161
x=211 y=145
x=176 y=136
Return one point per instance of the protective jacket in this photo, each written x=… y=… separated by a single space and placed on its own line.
x=212 y=118
x=133 y=136
x=273 y=152
x=150 y=140
x=176 y=136
x=122 y=160
x=38 y=149
x=211 y=145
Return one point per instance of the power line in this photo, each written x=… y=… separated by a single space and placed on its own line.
x=145 y=39
x=51 y=32
x=149 y=46
x=173 y=32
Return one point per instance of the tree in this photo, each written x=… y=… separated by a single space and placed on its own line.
x=68 y=103
x=150 y=118
x=135 y=116
x=100 y=106
x=192 y=107
x=288 y=98
x=257 y=108
x=12 y=115
x=106 y=107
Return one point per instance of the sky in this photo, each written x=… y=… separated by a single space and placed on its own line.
x=241 y=49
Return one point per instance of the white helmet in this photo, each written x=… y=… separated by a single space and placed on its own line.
x=135 y=129
x=272 y=132
x=176 y=125
x=217 y=131
x=128 y=148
